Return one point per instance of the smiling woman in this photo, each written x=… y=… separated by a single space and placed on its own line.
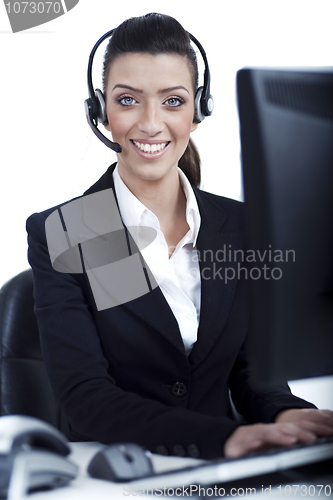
x=155 y=367
x=150 y=110
x=148 y=43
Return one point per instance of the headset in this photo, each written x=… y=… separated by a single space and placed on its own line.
x=95 y=104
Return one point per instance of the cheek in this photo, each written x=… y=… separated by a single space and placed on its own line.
x=183 y=126
x=119 y=124
x=181 y=122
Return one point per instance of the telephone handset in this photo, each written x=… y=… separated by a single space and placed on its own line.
x=32 y=456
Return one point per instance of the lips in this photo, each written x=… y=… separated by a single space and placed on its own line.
x=149 y=148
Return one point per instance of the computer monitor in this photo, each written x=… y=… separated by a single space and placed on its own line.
x=286 y=128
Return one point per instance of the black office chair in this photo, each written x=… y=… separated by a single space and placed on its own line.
x=24 y=386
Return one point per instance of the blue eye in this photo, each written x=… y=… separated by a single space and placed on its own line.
x=174 y=102
x=126 y=100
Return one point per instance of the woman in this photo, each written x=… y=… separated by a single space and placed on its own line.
x=157 y=369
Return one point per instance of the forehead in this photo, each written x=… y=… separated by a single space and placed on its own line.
x=142 y=70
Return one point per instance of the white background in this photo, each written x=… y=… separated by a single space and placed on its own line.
x=48 y=153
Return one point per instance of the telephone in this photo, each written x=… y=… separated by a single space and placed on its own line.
x=32 y=456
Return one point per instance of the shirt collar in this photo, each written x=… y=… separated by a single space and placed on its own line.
x=133 y=211
x=192 y=210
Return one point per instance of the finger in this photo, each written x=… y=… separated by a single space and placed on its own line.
x=243 y=440
x=318 y=428
x=324 y=417
x=259 y=436
x=327 y=413
x=286 y=434
x=317 y=416
x=239 y=449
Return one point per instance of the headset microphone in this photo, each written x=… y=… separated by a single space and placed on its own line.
x=95 y=104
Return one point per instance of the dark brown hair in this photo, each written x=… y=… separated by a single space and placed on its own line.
x=157 y=34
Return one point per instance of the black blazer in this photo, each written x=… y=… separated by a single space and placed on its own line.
x=121 y=374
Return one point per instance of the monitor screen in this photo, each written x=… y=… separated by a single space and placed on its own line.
x=286 y=128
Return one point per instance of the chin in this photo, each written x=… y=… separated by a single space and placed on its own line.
x=146 y=171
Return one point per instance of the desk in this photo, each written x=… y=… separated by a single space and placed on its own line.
x=273 y=486
x=86 y=488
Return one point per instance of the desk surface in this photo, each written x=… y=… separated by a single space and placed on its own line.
x=291 y=483
x=86 y=488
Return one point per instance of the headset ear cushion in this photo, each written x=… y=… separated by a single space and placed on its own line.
x=100 y=99
x=198 y=115
x=209 y=105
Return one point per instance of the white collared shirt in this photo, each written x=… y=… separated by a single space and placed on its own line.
x=179 y=275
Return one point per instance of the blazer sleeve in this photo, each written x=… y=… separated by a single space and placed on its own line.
x=98 y=410
x=259 y=405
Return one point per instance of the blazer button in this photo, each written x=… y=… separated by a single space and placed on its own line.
x=179 y=389
x=193 y=451
x=162 y=450
x=179 y=450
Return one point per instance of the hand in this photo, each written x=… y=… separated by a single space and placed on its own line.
x=320 y=422
x=248 y=438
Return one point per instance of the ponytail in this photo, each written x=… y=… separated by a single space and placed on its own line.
x=189 y=163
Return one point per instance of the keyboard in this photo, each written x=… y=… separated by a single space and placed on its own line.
x=274 y=460
x=254 y=464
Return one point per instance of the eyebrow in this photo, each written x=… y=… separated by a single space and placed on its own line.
x=163 y=91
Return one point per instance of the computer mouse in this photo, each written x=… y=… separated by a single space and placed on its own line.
x=121 y=462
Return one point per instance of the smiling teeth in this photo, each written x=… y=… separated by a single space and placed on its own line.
x=150 y=148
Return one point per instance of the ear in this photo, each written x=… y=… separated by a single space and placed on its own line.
x=194 y=126
x=107 y=126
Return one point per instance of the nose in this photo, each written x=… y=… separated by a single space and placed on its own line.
x=150 y=121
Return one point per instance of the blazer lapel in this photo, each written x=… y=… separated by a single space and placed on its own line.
x=151 y=307
x=218 y=276
x=154 y=310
